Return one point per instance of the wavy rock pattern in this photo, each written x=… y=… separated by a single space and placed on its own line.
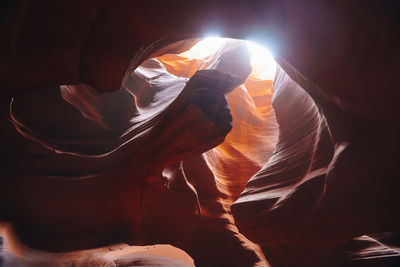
x=119 y=170
x=81 y=168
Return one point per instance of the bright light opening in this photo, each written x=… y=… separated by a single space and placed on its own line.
x=262 y=62
x=206 y=47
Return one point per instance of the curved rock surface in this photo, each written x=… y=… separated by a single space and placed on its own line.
x=81 y=168
x=13 y=253
x=118 y=177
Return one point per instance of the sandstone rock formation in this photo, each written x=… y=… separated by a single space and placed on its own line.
x=110 y=134
x=15 y=254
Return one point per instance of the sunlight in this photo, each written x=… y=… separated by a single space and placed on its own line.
x=206 y=47
x=260 y=54
x=261 y=59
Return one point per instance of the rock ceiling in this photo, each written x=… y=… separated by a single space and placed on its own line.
x=117 y=140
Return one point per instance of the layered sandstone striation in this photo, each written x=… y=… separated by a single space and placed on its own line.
x=202 y=153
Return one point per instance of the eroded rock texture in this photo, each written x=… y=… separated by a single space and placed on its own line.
x=307 y=195
x=110 y=168
x=307 y=163
x=14 y=253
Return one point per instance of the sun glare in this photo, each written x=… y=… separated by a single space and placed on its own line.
x=262 y=61
x=208 y=45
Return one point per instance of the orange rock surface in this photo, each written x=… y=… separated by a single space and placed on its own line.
x=115 y=131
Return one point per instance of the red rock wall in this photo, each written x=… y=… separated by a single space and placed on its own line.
x=331 y=178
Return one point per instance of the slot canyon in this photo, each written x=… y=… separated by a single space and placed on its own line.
x=199 y=133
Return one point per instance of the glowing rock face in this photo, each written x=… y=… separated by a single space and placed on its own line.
x=14 y=253
x=76 y=162
x=122 y=176
x=254 y=133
